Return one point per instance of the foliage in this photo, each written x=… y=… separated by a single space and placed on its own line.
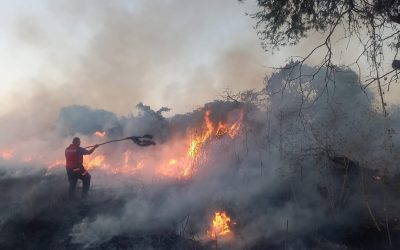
x=373 y=23
x=285 y=22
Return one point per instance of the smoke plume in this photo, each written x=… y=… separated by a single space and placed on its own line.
x=302 y=165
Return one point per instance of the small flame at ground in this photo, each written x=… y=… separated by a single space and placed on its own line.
x=7 y=154
x=101 y=134
x=221 y=226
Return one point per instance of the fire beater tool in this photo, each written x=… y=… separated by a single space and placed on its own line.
x=143 y=141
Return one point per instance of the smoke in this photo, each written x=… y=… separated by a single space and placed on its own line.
x=115 y=55
x=82 y=120
x=290 y=177
x=298 y=175
x=285 y=174
x=259 y=182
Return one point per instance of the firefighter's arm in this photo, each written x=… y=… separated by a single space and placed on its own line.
x=92 y=149
x=88 y=152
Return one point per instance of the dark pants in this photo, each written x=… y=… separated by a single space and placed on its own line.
x=73 y=176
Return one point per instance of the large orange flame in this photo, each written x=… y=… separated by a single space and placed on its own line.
x=221 y=226
x=198 y=141
x=91 y=162
x=208 y=133
x=180 y=158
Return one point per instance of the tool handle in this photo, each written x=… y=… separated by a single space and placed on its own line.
x=135 y=139
x=91 y=146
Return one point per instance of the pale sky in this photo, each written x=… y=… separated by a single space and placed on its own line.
x=115 y=54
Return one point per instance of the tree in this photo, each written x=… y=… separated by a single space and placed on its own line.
x=374 y=23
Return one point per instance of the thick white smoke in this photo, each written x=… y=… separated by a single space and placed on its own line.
x=286 y=171
x=302 y=165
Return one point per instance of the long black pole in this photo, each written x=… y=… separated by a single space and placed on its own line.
x=91 y=146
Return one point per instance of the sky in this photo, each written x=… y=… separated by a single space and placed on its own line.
x=114 y=54
x=179 y=54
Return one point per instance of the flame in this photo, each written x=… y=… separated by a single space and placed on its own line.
x=140 y=165
x=101 y=134
x=172 y=162
x=232 y=130
x=210 y=131
x=221 y=226
x=235 y=128
x=7 y=154
x=181 y=160
x=127 y=157
x=129 y=167
x=101 y=162
x=52 y=165
x=222 y=129
x=55 y=164
x=194 y=147
x=198 y=141
x=187 y=171
x=170 y=169
x=91 y=162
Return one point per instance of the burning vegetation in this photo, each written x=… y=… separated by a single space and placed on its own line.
x=221 y=226
x=289 y=181
x=178 y=162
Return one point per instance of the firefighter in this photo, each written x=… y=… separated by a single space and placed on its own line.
x=74 y=165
